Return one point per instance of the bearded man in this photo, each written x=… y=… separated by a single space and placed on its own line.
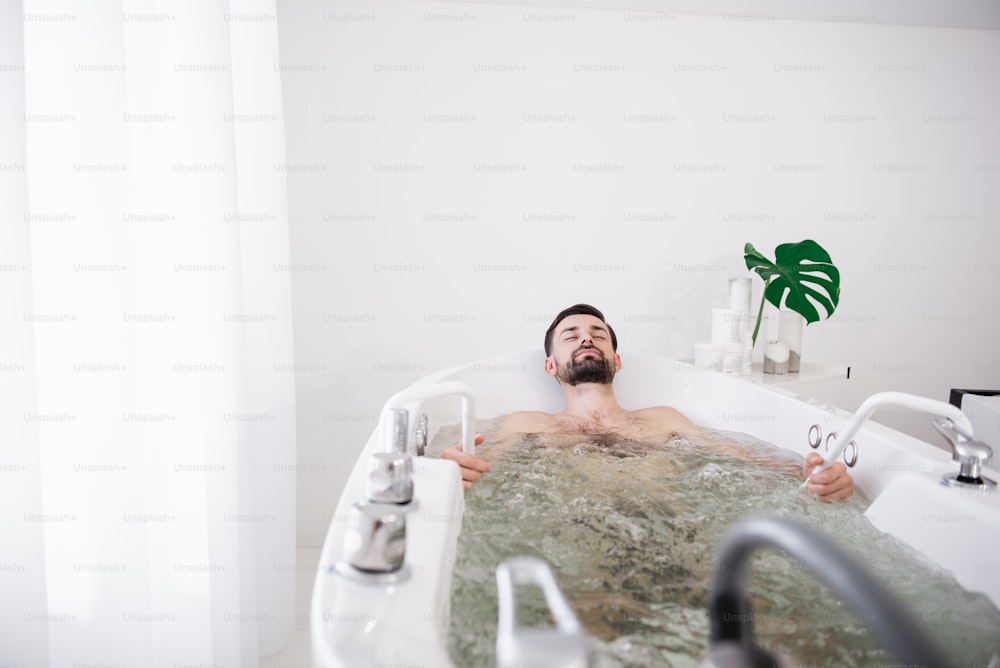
x=581 y=354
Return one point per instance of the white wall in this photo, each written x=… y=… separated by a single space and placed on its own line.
x=458 y=173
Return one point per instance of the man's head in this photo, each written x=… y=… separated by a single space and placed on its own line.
x=578 y=309
x=580 y=347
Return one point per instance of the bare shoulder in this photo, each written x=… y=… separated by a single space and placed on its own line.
x=528 y=422
x=666 y=420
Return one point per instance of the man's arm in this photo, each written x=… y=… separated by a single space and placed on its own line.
x=472 y=467
x=833 y=484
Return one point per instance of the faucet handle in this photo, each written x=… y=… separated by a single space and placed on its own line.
x=377 y=542
x=970 y=454
x=390 y=478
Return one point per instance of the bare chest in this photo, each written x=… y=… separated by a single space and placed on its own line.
x=631 y=425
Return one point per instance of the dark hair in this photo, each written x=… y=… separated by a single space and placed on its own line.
x=577 y=309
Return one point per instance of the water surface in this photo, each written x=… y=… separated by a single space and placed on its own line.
x=630 y=530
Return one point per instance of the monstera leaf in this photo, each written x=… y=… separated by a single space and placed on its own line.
x=801 y=277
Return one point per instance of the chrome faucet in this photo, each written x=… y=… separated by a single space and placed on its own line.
x=375 y=545
x=400 y=429
x=421 y=435
x=970 y=454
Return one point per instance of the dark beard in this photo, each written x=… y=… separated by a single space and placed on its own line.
x=586 y=370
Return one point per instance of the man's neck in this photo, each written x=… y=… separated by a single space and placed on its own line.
x=594 y=402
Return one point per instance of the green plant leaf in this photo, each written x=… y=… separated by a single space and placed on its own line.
x=801 y=274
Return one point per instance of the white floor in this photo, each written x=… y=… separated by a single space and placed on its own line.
x=298 y=653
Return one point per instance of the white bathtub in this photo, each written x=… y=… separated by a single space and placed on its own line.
x=405 y=624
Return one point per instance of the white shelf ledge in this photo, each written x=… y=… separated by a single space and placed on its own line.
x=809 y=373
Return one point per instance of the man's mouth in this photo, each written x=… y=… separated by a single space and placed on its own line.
x=592 y=351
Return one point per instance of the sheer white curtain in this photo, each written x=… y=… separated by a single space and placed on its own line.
x=147 y=434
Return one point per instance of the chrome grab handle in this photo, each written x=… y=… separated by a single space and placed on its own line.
x=562 y=646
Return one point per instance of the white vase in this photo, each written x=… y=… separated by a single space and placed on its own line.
x=790 y=326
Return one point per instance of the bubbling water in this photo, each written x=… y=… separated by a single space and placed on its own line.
x=630 y=529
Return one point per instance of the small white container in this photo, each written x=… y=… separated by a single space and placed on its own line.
x=732 y=359
x=726 y=325
x=747 y=353
x=708 y=356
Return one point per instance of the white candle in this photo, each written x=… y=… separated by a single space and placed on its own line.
x=776 y=357
x=777 y=351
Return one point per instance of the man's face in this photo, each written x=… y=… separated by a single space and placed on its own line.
x=582 y=352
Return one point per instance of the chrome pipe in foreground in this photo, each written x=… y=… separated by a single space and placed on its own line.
x=564 y=646
x=731 y=618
